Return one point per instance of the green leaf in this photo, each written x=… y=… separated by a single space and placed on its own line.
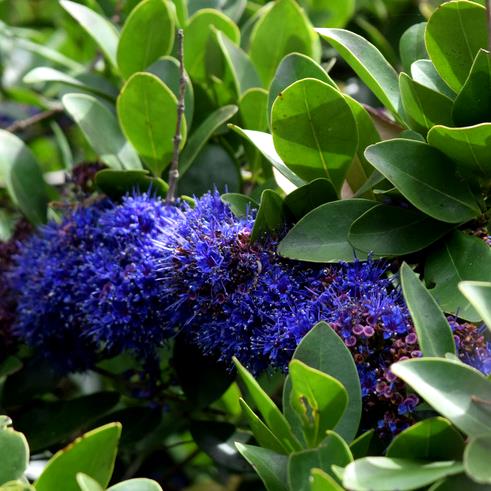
x=318 y=399
x=385 y=474
x=473 y=102
x=264 y=143
x=264 y=436
x=97 y=27
x=86 y=483
x=45 y=74
x=460 y=258
x=434 y=333
x=147 y=111
x=426 y=178
x=468 y=146
x=320 y=481
x=412 y=45
x=243 y=72
x=22 y=175
x=454 y=34
x=117 y=183
x=269 y=216
x=388 y=230
x=476 y=459
x=147 y=34
x=369 y=64
x=424 y=72
x=333 y=451
x=431 y=439
x=200 y=44
x=54 y=422
x=253 y=109
x=305 y=198
x=457 y=391
x=15 y=452
x=322 y=235
x=458 y=483
x=101 y=129
x=479 y=295
x=202 y=134
x=325 y=13
x=360 y=446
x=272 y=416
x=138 y=484
x=324 y=350
x=93 y=454
x=167 y=69
x=282 y=30
x=270 y=466
x=294 y=67
x=424 y=107
x=240 y=204
x=314 y=131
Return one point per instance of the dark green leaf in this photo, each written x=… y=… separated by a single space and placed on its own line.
x=459 y=483
x=426 y=177
x=116 y=183
x=424 y=72
x=360 y=446
x=240 y=204
x=434 y=333
x=412 y=45
x=269 y=216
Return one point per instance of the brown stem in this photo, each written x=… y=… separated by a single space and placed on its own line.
x=174 y=166
x=22 y=124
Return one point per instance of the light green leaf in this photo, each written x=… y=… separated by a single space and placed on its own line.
x=101 y=129
x=477 y=456
x=240 y=204
x=479 y=295
x=455 y=33
x=138 y=484
x=434 y=333
x=15 y=452
x=23 y=177
x=424 y=72
x=97 y=27
x=282 y=30
x=412 y=45
x=147 y=34
x=322 y=235
x=320 y=481
x=270 y=466
x=369 y=64
x=314 y=131
x=426 y=178
x=93 y=454
x=147 y=111
x=457 y=391
x=385 y=474
x=460 y=258
x=325 y=13
x=86 y=483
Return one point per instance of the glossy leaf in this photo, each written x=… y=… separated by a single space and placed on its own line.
x=253 y=109
x=434 y=333
x=388 y=230
x=318 y=399
x=147 y=111
x=101 y=129
x=479 y=295
x=454 y=35
x=460 y=258
x=117 y=183
x=294 y=67
x=86 y=483
x=321 y=481
x=412 y=45
x=200 y=136
x=324 y=350
x=424 y=107
x=15 y=452
x=469 y=147
x=322 y=235
x=272 y=416
x=138 y=484
x=269 y=216
x=368 y=63
x=424 y=72
x=333 y=451
x=385 y=474
x=458 y=392
x=476 y=459
x=282 y=30
x=432 y=439
x=360 y=446
x=147 y=34
x=324 y=13
x=93 y=454
x=240 y=204
x=96 y=26
x=426 y=178
x=473 y=102
x=314 y=131
x=270 y=466
x=23 y=177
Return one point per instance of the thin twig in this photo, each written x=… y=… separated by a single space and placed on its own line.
x=174 y=166
x=22 y=124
